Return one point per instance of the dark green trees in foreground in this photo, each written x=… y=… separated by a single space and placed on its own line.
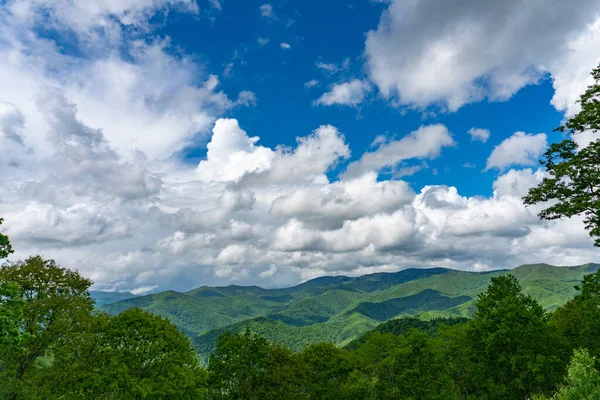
x=54 y=345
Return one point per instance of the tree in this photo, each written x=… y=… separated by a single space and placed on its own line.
x=5 y=246
x=56 y=305
x=512 y=344
x=327 y=370
x=578 y=321
x=414 y=370
x=583 y=380
x=11 y=308
x=238 y=367
x=135 y=355
x=574 y=173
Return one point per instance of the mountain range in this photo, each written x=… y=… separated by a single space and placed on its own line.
x=338 y=309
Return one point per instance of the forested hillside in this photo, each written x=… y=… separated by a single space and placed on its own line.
x=54 y=345
x=340 y=309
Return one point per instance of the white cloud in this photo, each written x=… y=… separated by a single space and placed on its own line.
x=266 y=10
x=517 y=182
x=332 y=204
x=332 y=68
x=311 y=83
x=433 y=52
x=519 y=149
x=313 y=157
x=89 y=145
x=262 y=41
x=350 y=93
x=425 y=142
x=232 y=154
x=285 y=46
x=479 y=134
x=92 y=23
x=217 y=5
x=268 y=273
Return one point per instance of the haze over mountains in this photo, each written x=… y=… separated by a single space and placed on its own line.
x=338 y=309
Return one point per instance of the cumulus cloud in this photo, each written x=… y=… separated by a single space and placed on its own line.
x=89 y=144
x=308 y=162
x=433 y=52
x=425 y=142
x=479 y=134
x=350 y=94
x=330 y=205
x=519 y=149
x=285 y=46
x=232 y=153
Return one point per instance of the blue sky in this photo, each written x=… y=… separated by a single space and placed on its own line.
x=334 y=34
x=387 y=134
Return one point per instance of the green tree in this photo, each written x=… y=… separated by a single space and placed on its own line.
x=583 y=380
x=238 y=367
x=578 y=321
x=574 y=174
x=415 y=370
x=11 y=306
x=285 y=377
x=136 y=355
x=512 y=343
x=327 y=371
x=5 y=246
x=56 y=305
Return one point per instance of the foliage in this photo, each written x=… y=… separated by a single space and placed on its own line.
x=513 y=344
x=55 y=306
x=402 y=326
x=578 y=321
x=53 y=344
x=139 y=355
x=5 y=246
x=583 y=380
x=574 y=181
x=11 y=306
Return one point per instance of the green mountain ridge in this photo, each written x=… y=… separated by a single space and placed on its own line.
x=341 y=309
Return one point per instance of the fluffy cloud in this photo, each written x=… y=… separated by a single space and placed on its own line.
x=519 y=149
x=266 y=10
x=479 y=134
x=231 y=154
x=89 y=145
x=425 y=142
x=433 y=52
x=350 y=93
x=82 y=17
x=331 y=205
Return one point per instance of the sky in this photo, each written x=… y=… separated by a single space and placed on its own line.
x=170 y=144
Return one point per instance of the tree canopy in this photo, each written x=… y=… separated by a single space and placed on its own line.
x=572 y=186
x=5 y=246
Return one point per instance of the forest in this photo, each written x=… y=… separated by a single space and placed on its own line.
x=55 y=345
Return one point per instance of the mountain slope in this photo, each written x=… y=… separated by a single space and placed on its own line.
x=109 y=297
x=340 y=309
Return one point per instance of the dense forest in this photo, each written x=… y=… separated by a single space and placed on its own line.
x=55 y=344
